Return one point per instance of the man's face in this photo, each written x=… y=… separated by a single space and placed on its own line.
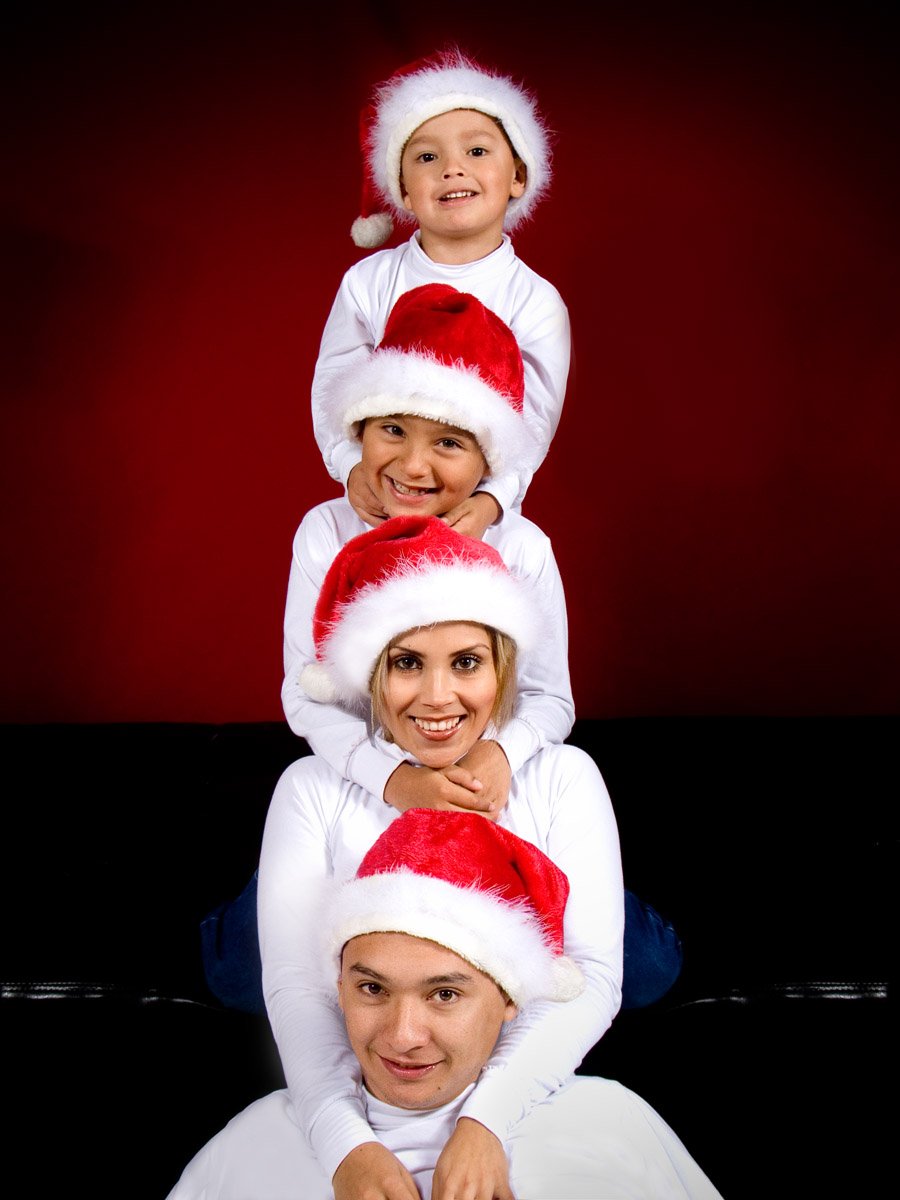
x=421 y=1020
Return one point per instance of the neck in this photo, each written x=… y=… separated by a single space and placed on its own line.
x=455 y=252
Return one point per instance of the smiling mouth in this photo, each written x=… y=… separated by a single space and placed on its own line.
x=445 y=726
x=411 y=1071
x=405 y=490
x=458 y=196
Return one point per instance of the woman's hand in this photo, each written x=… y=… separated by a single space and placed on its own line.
x=472 y=516
x=487 y=763
x=364 y=501
x=371 y=1172
x=421 y=787
x=472 y=1166
x=479 y=782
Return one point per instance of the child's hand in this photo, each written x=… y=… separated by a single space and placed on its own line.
x=370 y=1170
x=474 y=515
x=366 y=504
x=421 y=787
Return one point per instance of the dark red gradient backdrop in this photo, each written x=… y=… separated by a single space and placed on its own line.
x=723 y=494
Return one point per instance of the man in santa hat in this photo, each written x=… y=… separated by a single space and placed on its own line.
x=451 y=925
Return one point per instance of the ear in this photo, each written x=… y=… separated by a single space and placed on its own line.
x=520 y=180
x=510 y=1012
x=340 y=992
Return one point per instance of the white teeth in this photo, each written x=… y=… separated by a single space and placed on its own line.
x=456 y=195
x=409 y=491
x=437 y=726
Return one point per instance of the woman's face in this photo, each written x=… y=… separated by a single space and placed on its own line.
x=440 y=688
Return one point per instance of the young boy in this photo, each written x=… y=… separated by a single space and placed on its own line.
x=465 y=154
x=450 y=927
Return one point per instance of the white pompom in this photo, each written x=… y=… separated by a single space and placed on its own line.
x=369 y=232
x=316 y=682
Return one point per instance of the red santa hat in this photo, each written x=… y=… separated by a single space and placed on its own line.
x=425 y=89
x=467 y=883
x=405 y=573
x=444 y=356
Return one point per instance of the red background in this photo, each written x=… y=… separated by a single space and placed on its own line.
x=723 y=491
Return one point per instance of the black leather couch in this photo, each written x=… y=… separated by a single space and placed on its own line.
x=770 y=842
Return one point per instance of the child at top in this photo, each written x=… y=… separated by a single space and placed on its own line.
x=465 y=154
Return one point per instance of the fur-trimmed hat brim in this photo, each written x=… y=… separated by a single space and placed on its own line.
x=455 y=591
x=503 y=940
x=397 y=382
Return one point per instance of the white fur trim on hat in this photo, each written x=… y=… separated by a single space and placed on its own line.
x=412 y=598
x=502 y=939
x=397 y=382
x=455 y=82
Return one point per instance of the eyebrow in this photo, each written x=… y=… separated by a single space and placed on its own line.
x=483 y=647
x=489 y=127
x=431 y=981
x=443 y=425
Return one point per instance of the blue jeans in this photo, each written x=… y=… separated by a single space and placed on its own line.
x=230 y=948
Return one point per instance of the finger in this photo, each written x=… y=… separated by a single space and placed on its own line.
x=462 y=778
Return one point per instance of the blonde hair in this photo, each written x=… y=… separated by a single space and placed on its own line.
x=503 y=653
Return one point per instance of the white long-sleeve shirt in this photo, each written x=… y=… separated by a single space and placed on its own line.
x=594 y=1138
x=530 y=305
x=545 y=710
x=319 y=826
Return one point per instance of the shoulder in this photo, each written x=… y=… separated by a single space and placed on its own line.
x=373 y=268
x=561 y=761
x=326 y=527
x=539 y=288
x=522 y=545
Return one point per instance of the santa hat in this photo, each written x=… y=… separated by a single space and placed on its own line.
x=405 y=573
x=444 y=356
x=470 y=885
x=425 y=89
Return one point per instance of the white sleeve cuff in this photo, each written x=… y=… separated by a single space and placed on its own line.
x=519 y=741
x=345 y=456
x=340 y=1128
x=373 y=763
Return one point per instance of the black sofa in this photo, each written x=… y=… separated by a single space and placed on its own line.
x=770 y=842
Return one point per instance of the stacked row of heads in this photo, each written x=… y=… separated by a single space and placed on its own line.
x=457 y=879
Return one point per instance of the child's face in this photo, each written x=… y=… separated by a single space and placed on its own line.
x=458 y=174
x=416 y=465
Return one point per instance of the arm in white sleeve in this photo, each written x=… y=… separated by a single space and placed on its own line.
x=546 y=352
x=320 y=1069
x=347 y=338
x=335 y=734
x=545 y=710
x=543 y=1046
x=544 y=334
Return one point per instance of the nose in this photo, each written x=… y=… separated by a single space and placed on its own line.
x=452 y=167
x=436 y=689
x=404 y=1029
x=415 y=461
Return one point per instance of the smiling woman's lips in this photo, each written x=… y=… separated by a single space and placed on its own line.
x=437 y=735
